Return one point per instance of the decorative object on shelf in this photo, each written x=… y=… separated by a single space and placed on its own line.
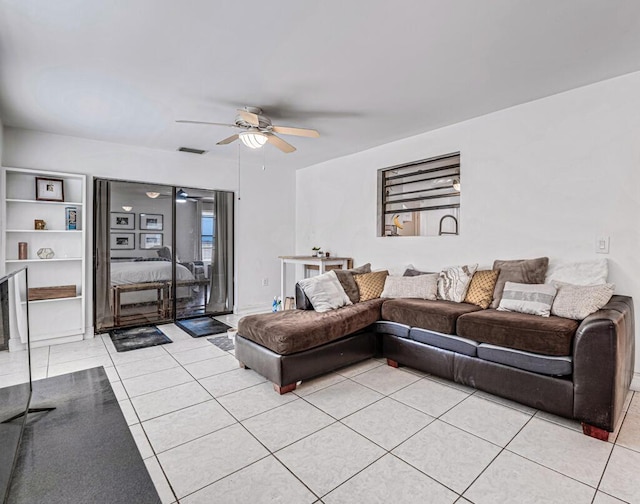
x=22 y=250
x=327 y=254
x=151 y=221
x=120 y=220
x=53 y=292
x=71 y=218
x=317 y=252
x=39 y=224
x=48 y=189
x=150 y=241
x=46 y=253
x=123 y=241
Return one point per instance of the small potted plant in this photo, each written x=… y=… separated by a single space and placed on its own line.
x=316 y=252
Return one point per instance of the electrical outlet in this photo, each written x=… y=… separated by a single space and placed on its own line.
x=265 y=282
x=602 y=244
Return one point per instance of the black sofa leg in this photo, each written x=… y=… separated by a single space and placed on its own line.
x=284 y=388
x=392 y=363
x=595 y=432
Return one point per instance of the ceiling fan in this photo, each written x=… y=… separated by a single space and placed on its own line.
x=258 y=130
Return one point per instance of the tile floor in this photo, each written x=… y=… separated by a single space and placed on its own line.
x=211 y=432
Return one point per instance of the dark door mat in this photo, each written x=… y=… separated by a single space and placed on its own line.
x=222 y=342
x=138 y=337
x=202 y=326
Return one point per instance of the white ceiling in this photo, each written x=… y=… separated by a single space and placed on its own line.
x=362 y=72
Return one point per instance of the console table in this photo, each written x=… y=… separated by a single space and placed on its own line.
x=322 y=264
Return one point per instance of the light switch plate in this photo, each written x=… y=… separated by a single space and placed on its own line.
x=602 y=244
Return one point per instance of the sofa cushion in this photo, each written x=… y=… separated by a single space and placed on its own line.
x=292 y=331
x=481 y=288
x=536 y=363
x=593 y=272
x=394 y=328
x=543 y=335
x=418 y=287
x=445 y=341
x=530 y=271
x=370 y=285
x=325 y=292
x=439 y=316
x=348 y=283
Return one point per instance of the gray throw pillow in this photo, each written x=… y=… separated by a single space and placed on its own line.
x=527 y=271
x=410 y=272
x=348 y=282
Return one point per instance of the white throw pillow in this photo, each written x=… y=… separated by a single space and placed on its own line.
x=399 y=270
x=325 y=292
x=453 y=282
x=420 y=287
x=593 y=272
x=579 y=301
x=535 y=299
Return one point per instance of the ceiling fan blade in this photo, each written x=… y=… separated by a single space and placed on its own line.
x=226 y=141
x=280 y=143
x=250 y=117
x=286 y=130
x=205 y=122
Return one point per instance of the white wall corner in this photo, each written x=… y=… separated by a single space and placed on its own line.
x=635 y=382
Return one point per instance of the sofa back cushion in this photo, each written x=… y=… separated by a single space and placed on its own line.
x=480 y=292
x=593 y=272
x=325 y=292
x=529 y=271
x=418 y=287
x=370 y=285
x=534 y=299
x=453 y=282
x=348 y=283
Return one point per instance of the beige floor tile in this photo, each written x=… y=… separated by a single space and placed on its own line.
x=430 y=397
x=231 y=381
x=119 y=391
x=511 y=479
x=141 y=441
x=360 y=367
x=270 y=482
x=447 y=454
x=128 y=412
x=140 y=354
x=506 y=402
x=629 y=435
x=146 y=366
x=320 y=382
x=343 y=398
x=198 y=354
x=564 y=422
x=210 y=367
x=254 y=400
x=160 y=481
x=286 y=424
x=621 y=475
x=386 y=481
x=385 y=379
x=329 y=457
x=562 y=450
x=387 y=422
x=169 y=399
x=603 y=498
x=79 y=365
x=156 y=381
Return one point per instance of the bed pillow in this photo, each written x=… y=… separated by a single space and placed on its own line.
x=534 y=299
x=529 y=271
x=146 y=259
x=579 y=301
x=453 y=282
x=370 y=285
x=325 y=292
x=593 y=272
x=480 y=292
x=348 y=283
x=420 y=287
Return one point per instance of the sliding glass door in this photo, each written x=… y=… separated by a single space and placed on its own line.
x=161 y=253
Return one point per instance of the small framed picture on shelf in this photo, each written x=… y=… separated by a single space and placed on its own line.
x=122 y=220
x=123 y=241
x=150 y=241
x=151 y=221
x=49 y=189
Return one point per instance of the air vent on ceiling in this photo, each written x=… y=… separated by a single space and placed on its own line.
x=191 y=150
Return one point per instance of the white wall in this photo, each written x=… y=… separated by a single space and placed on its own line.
x=543 y=178
x=264 y=217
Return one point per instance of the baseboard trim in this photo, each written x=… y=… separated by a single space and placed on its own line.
x=635 y=382
x=252 y=310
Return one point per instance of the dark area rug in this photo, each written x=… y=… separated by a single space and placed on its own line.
x=222 y=342
x=138 y=337
x=202 y=326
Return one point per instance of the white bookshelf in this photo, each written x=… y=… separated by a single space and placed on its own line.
x=59 y=320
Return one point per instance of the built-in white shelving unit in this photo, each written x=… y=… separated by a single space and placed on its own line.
x=58 y=320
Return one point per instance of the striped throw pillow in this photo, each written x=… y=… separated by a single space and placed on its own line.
x=535 y=299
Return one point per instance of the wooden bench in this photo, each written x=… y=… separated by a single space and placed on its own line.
x=162 y=288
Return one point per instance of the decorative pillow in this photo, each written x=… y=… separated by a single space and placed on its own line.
x=579 y=273
x=348 y=283
x=410 y=272
x=535 y=299
x=480 y=292
x=529 y=271
x=164 y=253
x=370 y=285
x=325 y=292
x=453 y=282
x=145 y=259
x=421 y=287
x=578 y=301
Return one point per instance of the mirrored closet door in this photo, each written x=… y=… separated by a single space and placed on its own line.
x=161 y=253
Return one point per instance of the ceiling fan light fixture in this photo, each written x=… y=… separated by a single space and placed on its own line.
x=153 y=194
x=253 y=139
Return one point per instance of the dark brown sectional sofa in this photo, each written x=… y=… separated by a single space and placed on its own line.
x=579 y=370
